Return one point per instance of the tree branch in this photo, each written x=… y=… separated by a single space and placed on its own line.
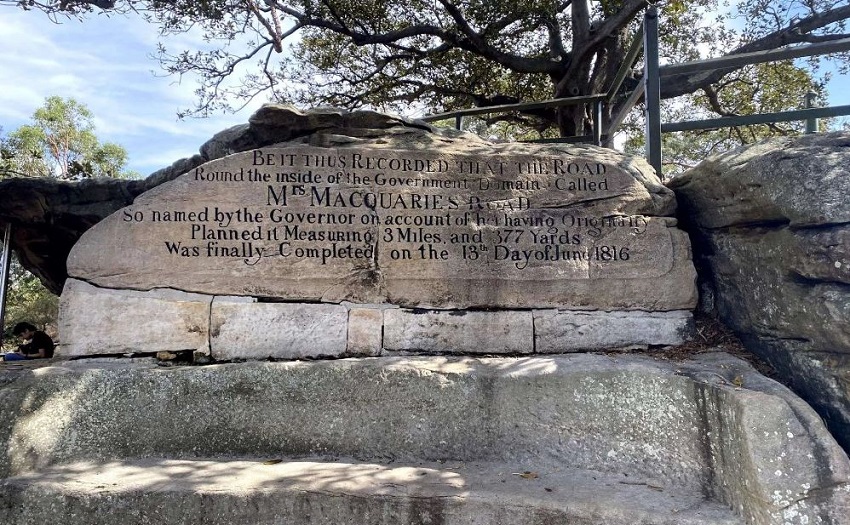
x=474 y=42
x=817 y=39
x=610 y=26
x=797 y=32
x=273 y=32
x=556 y=40
x=580 y=22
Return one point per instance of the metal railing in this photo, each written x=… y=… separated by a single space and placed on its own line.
x=649 y=90
x=597 y=100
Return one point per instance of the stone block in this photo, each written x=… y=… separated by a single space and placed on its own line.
x=365 y=331
x=505 y=332
x=571 y=331
x=96 y=321
x=241 y=330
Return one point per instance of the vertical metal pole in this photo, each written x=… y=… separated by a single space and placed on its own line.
x=459 y=122
x=5 y=260
x=812 y=123
x=597 y=122
x=653 y=89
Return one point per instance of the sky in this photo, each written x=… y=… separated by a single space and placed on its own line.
x=105 y=63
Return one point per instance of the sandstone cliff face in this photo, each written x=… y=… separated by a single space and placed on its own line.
x=771 y=231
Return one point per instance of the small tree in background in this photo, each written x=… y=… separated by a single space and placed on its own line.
x=61 y=143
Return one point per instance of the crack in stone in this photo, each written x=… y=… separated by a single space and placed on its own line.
x=210 y=328
x=144 y=290
x=813 y=492
x=798 y=278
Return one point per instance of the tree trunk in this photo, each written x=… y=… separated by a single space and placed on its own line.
x=572 y=120
x=590 y=77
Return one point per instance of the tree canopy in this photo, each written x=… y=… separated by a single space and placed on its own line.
x=440 y=55
x=60 y=143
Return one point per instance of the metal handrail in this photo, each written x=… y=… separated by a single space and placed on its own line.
x=652 y=75
x=667 y=70
x=551 y=103
x=756 y=57
x=626 y=66
x=761 y=118
x=596 y=99
x=652 y=89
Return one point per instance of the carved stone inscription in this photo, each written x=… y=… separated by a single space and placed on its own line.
x=371 y=225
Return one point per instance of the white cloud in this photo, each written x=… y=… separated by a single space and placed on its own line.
x=105 y=64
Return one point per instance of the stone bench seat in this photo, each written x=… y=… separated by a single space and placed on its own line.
x=711 y=431
x=316 y=492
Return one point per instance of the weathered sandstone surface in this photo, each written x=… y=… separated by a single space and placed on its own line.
x=608 y=440
x=771 y=228
x=299 y=243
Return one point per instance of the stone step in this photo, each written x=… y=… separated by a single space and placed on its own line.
x=710 y=425
x=319 y=492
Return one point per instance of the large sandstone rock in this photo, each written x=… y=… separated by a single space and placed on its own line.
x=49 y=216
x=439 y=240
x=770 y=226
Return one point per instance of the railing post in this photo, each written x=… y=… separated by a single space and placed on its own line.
x=5 y=260
x=597 y=122
x=653 y=89
x=459 y=122
x=812 y=123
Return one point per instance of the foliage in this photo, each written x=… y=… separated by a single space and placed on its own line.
x=417 y=56
x=28 y=300
x=61 y=143
x=413 y=56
